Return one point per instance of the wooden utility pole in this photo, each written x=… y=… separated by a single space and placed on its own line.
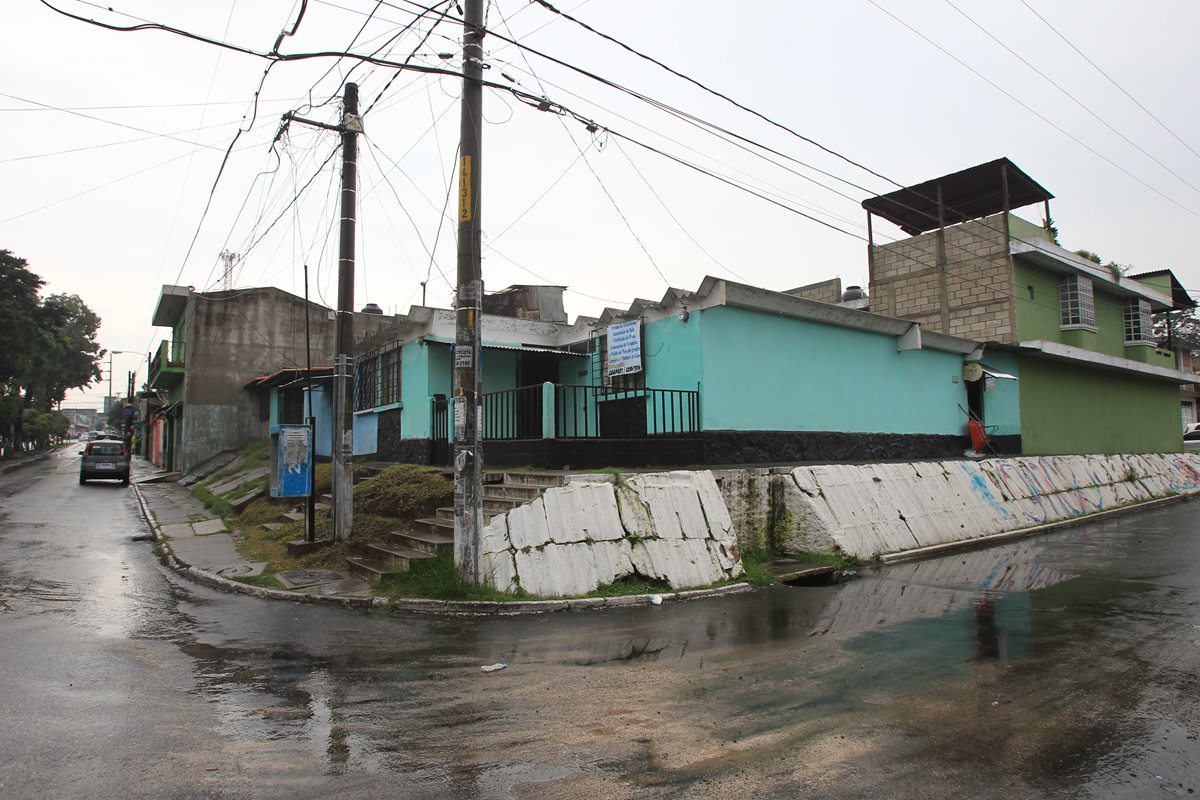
x=468 y=458
x=342 y=447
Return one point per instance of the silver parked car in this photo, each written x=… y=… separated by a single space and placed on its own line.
x=105 y=458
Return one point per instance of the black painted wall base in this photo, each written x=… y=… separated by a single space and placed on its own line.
x=775 y=447
x=713 y=448
x=1006 y=445
x=593 y=453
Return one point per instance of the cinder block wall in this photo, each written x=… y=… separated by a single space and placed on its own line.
x=971 y=296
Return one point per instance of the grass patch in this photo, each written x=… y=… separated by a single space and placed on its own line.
x=632 y=584
x=264 y=581
x=214 y=503
x=404 y=491
x=436 y=578
x=839 y=559
x=757 y=573
x=249 y=457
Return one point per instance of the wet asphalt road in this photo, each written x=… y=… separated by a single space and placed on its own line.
x=1064 y=666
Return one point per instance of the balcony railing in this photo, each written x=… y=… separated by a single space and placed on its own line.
x=167 y=364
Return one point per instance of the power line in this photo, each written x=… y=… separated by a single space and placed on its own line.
x=1072 y=97
x=1110 y=79
x=49 y=107
x=1031 y=110
x=110 y=144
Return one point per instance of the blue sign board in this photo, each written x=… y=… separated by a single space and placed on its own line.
x=291 y=460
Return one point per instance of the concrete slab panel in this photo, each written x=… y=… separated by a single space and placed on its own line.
x=206 y=551
x=559 y=570
x=246 y=569
x=527 y=525
x=209 y=526
x=500 y=570
x=581 y=512
x=494 y=536
x=682 y=563
x=176 y=530
x=300 y=578
x=716 y=513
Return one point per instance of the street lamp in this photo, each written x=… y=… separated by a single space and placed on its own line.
x=112 y=353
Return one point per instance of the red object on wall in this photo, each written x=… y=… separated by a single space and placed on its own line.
x=978 y=436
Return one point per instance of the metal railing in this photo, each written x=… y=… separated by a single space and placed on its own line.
x=589 y=412
x=513 y=414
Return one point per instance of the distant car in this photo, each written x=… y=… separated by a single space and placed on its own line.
x=104 y=458
x=1191 y=438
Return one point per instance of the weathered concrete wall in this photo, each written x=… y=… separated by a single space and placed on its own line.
x=690 y=528
x=876 y=509
x=670 y=526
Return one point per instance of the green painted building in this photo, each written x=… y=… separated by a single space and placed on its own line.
x=1076 y=337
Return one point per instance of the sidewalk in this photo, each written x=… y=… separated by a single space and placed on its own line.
x=197 y=541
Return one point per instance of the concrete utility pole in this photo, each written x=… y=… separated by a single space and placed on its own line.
x=468 y=458
x=343 y=361
x=342 y=446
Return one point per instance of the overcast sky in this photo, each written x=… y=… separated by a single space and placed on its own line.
x=112 y=142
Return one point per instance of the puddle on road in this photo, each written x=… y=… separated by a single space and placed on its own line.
x=1002 y=666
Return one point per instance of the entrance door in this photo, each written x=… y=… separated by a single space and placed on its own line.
x=533 y=369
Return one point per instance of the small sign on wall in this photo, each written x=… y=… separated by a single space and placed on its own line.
x=624 y=348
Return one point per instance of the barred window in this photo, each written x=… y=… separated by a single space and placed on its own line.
x=366 y=383
x=1139 y=328
x=389 y=377
x=1076 y=302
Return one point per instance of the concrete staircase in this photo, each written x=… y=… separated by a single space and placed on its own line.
x=502 y=492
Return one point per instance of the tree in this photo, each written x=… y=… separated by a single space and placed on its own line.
x=47 y=347
x=1178 y=329
x=65 y=353
x=18 y=304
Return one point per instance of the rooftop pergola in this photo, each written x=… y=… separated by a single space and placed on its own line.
x=979 y=191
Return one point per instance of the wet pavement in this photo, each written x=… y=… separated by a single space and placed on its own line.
x=1062 y=666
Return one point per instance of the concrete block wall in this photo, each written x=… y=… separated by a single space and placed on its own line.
x=907 y=282
x=670 y=526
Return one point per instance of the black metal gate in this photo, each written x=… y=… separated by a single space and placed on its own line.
x=441 y=452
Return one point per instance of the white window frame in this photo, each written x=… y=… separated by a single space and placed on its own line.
x=1139 y=324
x=1077 y=303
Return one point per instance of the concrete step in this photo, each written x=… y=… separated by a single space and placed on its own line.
x=446 y=514
x=368 y=569
x=439 y=527
x=423 y=541
x=326 y=498
x=792 y=571
x=514 y=491
x=291 y=516
x=544 y=480
x=272 y=526
x=395 y=557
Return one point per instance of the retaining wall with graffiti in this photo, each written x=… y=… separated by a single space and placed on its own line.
x=878 y=509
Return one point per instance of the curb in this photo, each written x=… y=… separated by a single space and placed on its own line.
x=946 y=548
x=416 y=605
x=21 y=463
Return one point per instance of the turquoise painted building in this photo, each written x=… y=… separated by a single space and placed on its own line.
x=727 y=374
